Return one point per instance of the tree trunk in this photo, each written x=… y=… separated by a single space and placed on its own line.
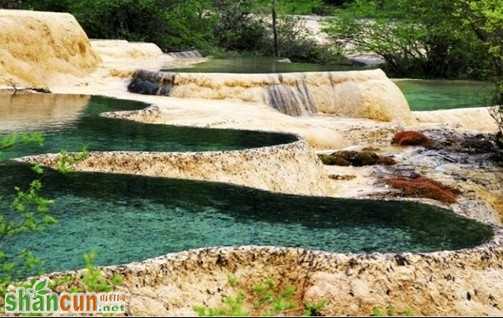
x=274 y=29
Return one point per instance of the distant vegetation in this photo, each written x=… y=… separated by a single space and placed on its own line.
x=454 y=39
x=424 y=38
x=306 y=7
x=211 y=26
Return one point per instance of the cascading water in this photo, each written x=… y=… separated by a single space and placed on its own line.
x=364 y=94
x=293 y=101
x=186 y=54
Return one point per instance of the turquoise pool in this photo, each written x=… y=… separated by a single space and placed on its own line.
x=443 y=94
x=127 y=218
x=81 y=126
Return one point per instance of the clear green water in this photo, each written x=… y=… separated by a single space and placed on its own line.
x=442 y=94
x=250 y=65
x=130 y=218
x=104 y=134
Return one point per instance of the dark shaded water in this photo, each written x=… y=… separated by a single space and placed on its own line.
x=130 y=218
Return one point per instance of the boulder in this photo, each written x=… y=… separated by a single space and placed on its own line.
x=37 y=47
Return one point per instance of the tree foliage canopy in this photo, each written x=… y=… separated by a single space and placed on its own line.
x=438 y=39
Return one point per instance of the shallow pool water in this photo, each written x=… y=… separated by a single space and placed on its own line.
x=443 y=94
x=128 y=218
x=79 y=125
x=256 y=64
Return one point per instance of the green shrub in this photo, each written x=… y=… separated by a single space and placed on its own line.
x=266 y=298
x=66 y=161
x=29 y=213
x=314 y=309
x=236 y=29
x=303 y=7
x=390 y=311
x=232 y=306
x=93 y=279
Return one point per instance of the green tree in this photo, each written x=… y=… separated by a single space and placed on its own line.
x=236 y=28
x=420 y=37
x=485 y=18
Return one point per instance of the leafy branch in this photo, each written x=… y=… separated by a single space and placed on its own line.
x=266 y=298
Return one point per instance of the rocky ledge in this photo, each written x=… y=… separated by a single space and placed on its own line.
x=289 y=168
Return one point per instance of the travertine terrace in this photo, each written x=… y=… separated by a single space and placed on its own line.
x=361 y=109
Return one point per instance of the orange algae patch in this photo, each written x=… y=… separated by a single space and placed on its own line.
x=424 y=187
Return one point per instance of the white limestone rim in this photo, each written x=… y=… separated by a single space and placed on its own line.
x=493 y=246
x=298 y=144
x=235 y=79
x=317 y=260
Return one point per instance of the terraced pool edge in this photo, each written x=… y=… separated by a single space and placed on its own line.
x=152 y=272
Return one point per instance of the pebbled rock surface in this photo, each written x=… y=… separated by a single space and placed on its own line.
x=290 y=168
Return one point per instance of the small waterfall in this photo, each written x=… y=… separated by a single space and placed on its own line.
x=186 y=55
x=293 y=101
x=362 y=94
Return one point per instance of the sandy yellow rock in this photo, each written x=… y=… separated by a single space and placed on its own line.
x=36 y=48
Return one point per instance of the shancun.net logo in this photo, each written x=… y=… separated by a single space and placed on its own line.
x=40 y=299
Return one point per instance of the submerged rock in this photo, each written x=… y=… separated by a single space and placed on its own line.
x=355 y=158
x=140 y=86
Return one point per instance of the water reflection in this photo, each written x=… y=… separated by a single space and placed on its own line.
x=23 y=112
